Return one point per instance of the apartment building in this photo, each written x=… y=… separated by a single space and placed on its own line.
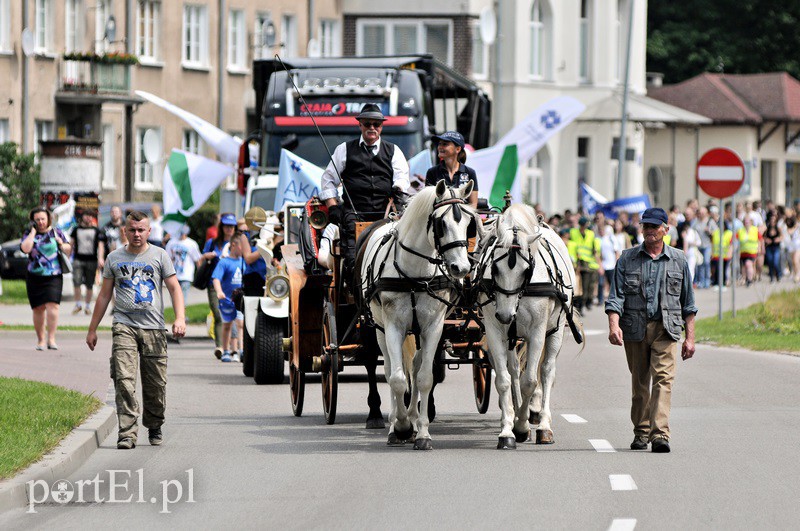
x=74 y=84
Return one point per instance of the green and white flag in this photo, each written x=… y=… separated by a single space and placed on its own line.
x=497 y=166
x=189 y=180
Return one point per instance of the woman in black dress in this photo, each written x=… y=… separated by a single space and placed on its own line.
x=451 y=168
x=45 y=279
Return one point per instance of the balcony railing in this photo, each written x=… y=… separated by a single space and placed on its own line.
x=95 y=77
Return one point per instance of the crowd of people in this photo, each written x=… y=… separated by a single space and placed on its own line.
x=763 y=239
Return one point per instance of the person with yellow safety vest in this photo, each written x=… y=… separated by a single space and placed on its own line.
x=727 y=254
x=572 y=249
x=587 y=249
x=748 y=237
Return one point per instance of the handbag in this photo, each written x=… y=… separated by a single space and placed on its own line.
x=63 y=260
x=202 y=275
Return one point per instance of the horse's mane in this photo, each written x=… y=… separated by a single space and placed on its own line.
x=521 y=216
x=419 y=207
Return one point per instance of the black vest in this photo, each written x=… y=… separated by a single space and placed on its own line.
x=368 y=179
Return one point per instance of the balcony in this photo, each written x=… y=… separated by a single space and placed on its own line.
x=96 y=74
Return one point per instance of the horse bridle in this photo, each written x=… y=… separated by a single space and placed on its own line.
x=436 y=223
x=514 y=251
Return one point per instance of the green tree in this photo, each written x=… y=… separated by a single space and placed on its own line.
x=690 y=37
x=19 y=190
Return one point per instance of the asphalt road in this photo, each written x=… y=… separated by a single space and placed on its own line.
x=735 y=426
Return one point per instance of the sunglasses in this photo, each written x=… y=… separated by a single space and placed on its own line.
x=368 y=125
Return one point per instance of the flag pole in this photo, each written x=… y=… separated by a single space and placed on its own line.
x=624 y=121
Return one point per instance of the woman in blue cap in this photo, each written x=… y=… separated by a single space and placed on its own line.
x=213 y=250
x=451 y=168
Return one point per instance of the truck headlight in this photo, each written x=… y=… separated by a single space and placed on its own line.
x=278 y=287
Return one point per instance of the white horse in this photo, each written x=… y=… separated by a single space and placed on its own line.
x=527 y=282
x=410 y=271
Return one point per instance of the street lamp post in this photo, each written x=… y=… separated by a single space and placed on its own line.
x=624 y=121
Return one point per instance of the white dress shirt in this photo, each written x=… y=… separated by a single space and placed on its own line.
x=330 y=178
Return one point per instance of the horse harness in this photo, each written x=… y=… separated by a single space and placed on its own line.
x=555 y=288
x=414 y=285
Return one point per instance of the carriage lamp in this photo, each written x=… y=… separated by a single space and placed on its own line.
x=318 y=214
x=278 y=287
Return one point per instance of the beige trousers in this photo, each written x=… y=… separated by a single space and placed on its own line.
x=652 y=365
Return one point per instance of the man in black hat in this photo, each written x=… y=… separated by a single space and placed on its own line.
x=651 y=300
x=371 y=172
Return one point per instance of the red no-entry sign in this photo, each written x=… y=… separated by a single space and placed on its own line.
x=720 y=172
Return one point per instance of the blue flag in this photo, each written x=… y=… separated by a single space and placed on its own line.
x=592 y=201
x=298 y=180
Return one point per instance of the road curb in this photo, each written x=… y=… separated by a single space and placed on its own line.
x=62 y=461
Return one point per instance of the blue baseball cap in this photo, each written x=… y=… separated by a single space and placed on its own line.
x=228 y=219
x=654 y=216
x=450 y=136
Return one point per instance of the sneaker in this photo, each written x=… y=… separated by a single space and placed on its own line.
x=660 y=446
x=639 y=443
x=87 y=311
x=226 y=357
x=218 y=353
x=155 y=436
x=77 y=309
x=236 y=357
x=126 y=444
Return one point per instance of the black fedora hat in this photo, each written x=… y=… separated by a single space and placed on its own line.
x=371 y=111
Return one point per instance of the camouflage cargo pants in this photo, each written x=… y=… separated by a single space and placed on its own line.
x=132 y=348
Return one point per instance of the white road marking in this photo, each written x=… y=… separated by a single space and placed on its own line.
x=573 y=419
x=593 y=332
x=622 y=524
x=621 y=482
x=602 y=445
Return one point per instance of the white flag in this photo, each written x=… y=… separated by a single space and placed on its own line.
x=226 y=146
x=298 y=180
x=189 y=180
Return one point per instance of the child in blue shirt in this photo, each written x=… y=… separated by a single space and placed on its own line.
x=227 y=276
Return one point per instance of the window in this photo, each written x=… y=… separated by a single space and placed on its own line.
x=145 y=172
x=237 y=39
x=264 y=32
x=583 y=159
x=401 y=37
x=73 y=18
x=329 y=38
x=43 y=17
x=540 y=41
x=5 y=25
x=109 y=156
x=480 y=54
x=102 y=12
x=42 y=131
x=195 y=36
x=148 y=28
x=5 y=134
x=289 y=29
x=192 y=142
x=585 y=43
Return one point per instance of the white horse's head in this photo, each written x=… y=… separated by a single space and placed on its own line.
x=450 y=225
x=512 y=261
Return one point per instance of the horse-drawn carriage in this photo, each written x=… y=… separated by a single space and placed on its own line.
x=411 y=298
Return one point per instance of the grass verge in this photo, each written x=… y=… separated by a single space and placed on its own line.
x=14 y=292
x=773 y=325
x=35 y=417
x=195 y=314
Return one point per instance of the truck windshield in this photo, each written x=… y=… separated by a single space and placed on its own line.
x=310 y=147
x=263 y=197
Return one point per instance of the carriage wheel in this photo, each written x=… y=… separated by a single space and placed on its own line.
x=297 y=388
x=482 y=381
x=330 y=375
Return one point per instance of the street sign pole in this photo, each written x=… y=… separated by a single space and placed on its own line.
x=734 y=260
x=721 y=264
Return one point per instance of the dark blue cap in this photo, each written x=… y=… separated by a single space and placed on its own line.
x=654 y=216
x=451 y=136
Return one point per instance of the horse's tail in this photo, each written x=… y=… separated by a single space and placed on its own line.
x=409 y=349
x=578 y=324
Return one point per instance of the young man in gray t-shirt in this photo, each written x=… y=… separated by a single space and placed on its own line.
x=134 y=274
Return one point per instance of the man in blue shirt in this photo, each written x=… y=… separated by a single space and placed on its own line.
x=650 y=300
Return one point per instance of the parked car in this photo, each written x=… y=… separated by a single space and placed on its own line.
x=13 y=262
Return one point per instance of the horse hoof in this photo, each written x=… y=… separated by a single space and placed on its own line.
x=423 y=444
x=535 y=418
x=405 y=435
x=506 y=443
x=544 y=437
x=375 y=424
x=394 y=440
x=522 y=436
